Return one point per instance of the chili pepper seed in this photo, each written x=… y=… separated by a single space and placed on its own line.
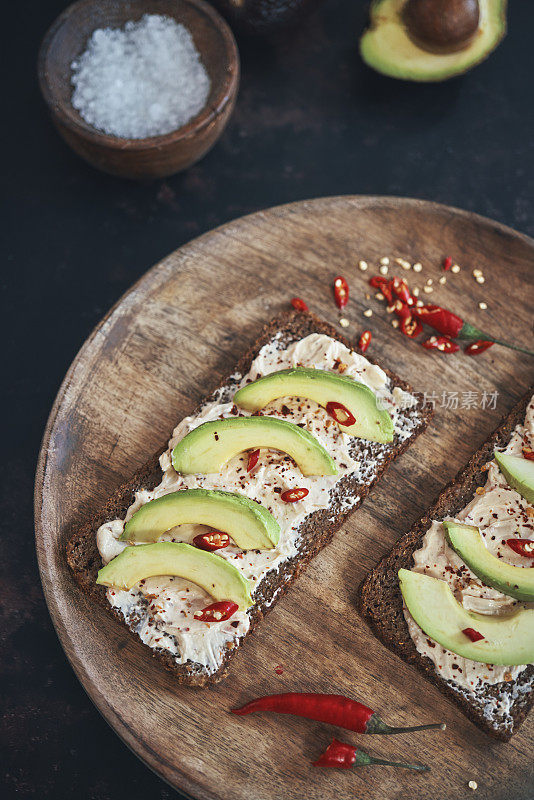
x=483 y=306
x=417 y=267
x=415 y=291
x=395 y=323
x=384 y=269
x=363 y=265
x=455 y=268
x=442 y=280
x=384 y=261
x=344 y=322
x=428 y=289
x=403 y=263
x=480 y=279
x=473 y=785
x=368 y=312
x=379 y=296
x=477 y=273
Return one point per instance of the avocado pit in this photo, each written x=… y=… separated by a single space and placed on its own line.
x=441 y=26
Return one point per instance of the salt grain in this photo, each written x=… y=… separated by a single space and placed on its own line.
x=145 y=79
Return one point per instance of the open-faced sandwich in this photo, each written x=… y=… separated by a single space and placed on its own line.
x=193 y=551
x=455 y=596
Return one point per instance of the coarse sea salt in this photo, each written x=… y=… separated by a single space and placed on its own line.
x=145 y=79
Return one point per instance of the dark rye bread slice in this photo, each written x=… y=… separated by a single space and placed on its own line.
x=380 y=599
x=317 y=530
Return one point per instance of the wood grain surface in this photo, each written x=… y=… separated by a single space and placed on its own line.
x=157 y=353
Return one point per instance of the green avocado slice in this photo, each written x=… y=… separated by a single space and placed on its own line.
x=508 y=640
x=214 y=574
x=250 y=525
x=519 y=472
x=386 y=46
x=323 y=387
x=206 y=449
x=467 y=541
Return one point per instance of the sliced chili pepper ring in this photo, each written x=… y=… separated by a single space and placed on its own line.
x=217 y=612
x=410 y=326
x=341 y=291
x=365 y=341
x=215 y=540
x=523 y=547
x=480 y=346
x=340 y=413
x=294 y=495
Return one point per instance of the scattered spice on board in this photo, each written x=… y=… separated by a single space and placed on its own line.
x=145 y=79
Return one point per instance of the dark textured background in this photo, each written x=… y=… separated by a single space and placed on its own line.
x=310 y=120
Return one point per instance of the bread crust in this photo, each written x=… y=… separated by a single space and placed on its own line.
x=380 y=599
x=316 y=532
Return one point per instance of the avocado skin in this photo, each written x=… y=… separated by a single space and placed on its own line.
x=467 y=542
x=262 y=17
x=387 y=47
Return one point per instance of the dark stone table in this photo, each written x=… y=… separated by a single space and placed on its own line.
x=310 y=120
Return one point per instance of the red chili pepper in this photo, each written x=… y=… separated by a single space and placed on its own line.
x=218 y=612
x=400 y=288
x=215 y=540
x=341 y=291
x=335 y=709
x=365 y=341
x=441 y=343
x=528 y=453
x=401 y=309
x=252 y=459
x=383 y=285
x=524 y=547
x=474 y=348
x=299 y=304
x=472 y=634
x=410 y=327
x=345 y=756
x=294 y=495
x=447 y=263
x=340 y=413
x=440 y=319
x=452 y=325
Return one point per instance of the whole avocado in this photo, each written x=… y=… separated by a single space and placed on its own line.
x=263 y=16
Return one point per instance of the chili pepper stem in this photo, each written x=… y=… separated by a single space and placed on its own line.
x=376 y=725
x=384 y=762
x=468 y=332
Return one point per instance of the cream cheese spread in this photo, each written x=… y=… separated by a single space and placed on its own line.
x=500 y=513
x=161 y=610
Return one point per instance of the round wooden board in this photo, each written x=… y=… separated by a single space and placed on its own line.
x=163 y=347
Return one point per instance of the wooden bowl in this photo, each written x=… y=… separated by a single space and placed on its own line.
x=156 y=156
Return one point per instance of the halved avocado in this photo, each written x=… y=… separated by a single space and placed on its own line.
x=388 y=46
x=467 y=541
x=519 y=472
x=507 y=639
x=323 y=387
x=250 y=525
x=206 y=449
x=214 y=574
